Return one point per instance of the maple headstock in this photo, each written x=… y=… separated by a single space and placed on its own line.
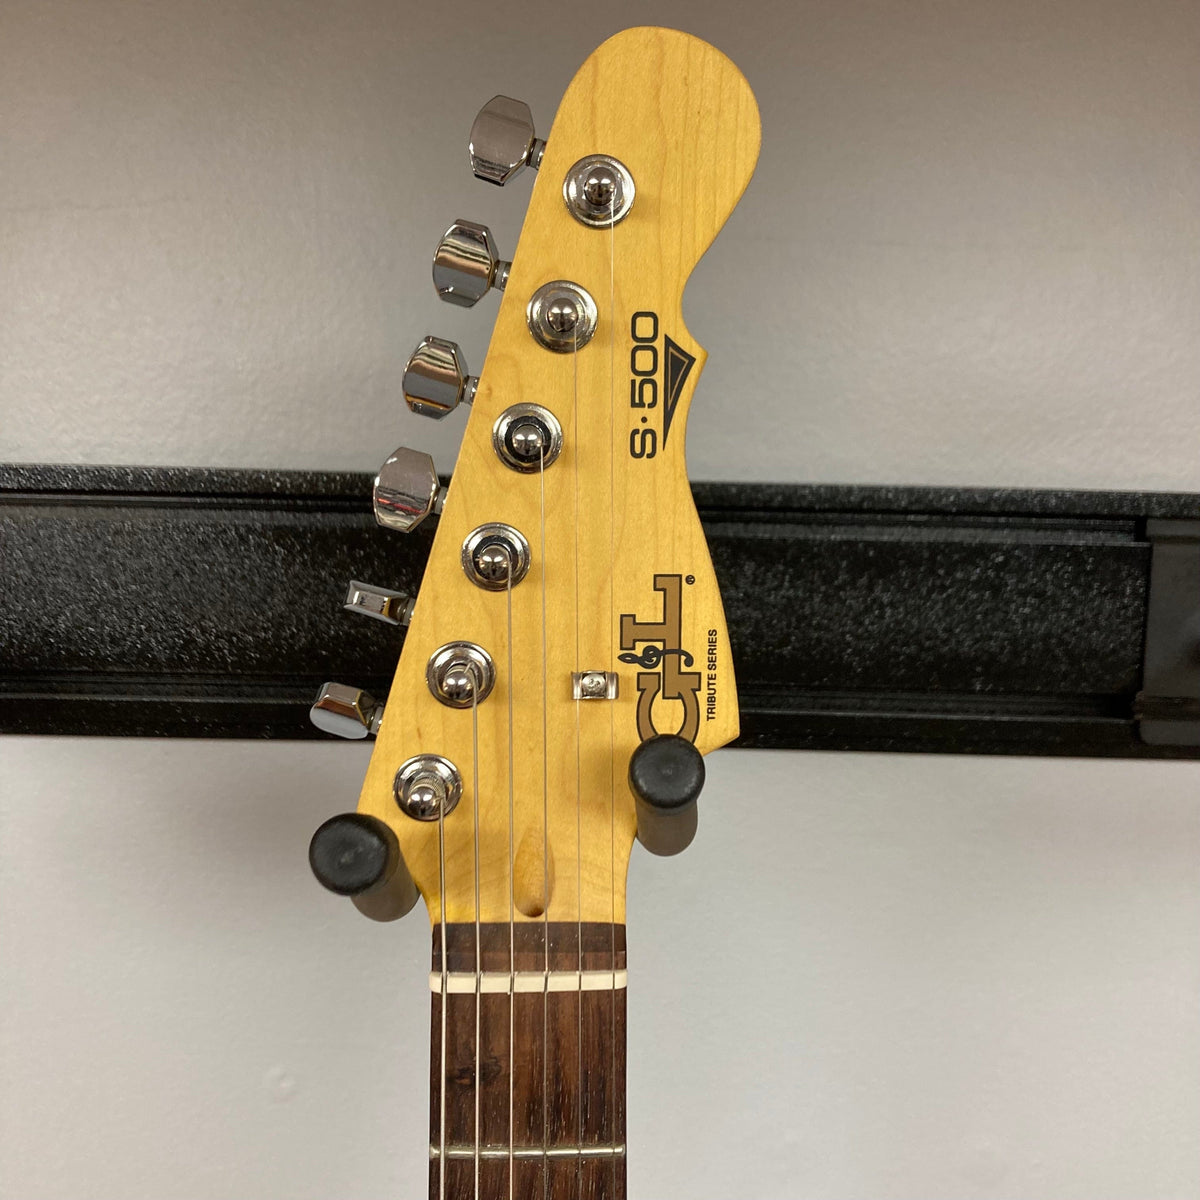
x=616 y=594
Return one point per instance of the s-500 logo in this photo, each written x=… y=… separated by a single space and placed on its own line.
x=657 y=373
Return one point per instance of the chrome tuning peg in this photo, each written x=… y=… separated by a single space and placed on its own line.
x=406 y=490
x=393 y=608
x=435 y=378
x=345 y=711
x=466 y=264
x=503 y=142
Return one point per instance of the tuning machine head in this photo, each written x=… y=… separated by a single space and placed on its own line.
x=435 y=378
x=503 y=141
x=466 y=264
x=345 y=711
x=381 y=604
x=406 y=490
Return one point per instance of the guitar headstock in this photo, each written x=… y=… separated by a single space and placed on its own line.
x=569 y=612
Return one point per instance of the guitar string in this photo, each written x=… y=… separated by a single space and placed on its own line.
x=471 y=674
x=512 y=890
x=545 y=840
x=578 y=771
x=444 y=999
x=612 y=658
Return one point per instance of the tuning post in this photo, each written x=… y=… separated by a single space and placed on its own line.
x=562 y=316
x=393 y=608
x=406 y=490
x=527 y=438
x=345 y=711
x=427 y=787
x=435 y=378
x=495 y=556
x=599 y=191
x=466 y=264
x=461 y=674
x=502 y=141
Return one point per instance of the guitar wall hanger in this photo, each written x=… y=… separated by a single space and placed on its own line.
x=214 y=603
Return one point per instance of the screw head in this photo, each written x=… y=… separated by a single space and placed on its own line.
x=593 y=684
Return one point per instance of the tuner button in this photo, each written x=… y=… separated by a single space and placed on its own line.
x=502 y=140
x=466 y=264
x=345 y=711
x=393 y=608
x=359 y=856
x=666 y=775
x=406 y=490
x=435 y=378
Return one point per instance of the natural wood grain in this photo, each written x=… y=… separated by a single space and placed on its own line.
x=567 y=1084
x=683 y=120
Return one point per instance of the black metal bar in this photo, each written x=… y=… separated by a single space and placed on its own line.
x=190 y=602
x=1168 y=706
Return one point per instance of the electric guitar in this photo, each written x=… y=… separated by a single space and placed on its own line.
x=566 y=663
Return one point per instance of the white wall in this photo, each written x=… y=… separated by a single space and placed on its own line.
x=970 y=255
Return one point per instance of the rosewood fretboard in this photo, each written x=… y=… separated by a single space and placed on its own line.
x=565 y=1007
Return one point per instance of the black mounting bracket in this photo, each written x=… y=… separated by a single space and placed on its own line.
x=207 y=603
x=1168 y=706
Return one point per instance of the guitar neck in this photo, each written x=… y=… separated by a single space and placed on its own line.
x=539 y=1112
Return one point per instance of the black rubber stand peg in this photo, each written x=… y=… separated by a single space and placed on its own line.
x=358 y=856
x=666 y=776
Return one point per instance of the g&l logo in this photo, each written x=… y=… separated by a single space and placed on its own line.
x=662 y=659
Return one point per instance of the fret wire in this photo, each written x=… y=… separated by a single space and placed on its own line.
x=503 y=982
x=502 y=1152
x=600 y=1071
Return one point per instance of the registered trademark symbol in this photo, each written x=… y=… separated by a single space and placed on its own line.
x=689 y=579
